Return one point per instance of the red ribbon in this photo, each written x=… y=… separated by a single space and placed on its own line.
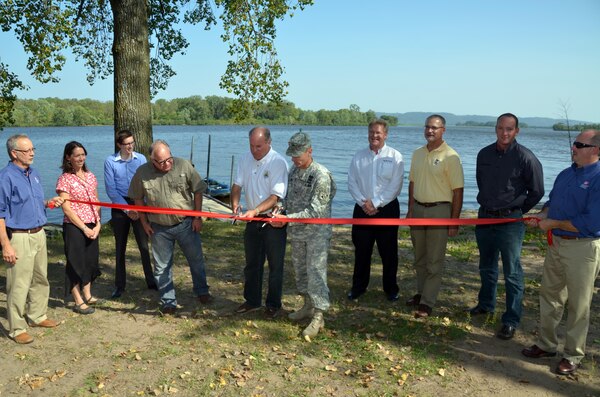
x=317 y=221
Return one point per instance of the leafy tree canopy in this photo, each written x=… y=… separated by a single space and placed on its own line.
x=46 y=28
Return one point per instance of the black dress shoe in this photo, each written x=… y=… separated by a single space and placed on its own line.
x=566 y=367
x=168 y=310
x=393 y=297
x=476 y=311
x=414 y=301
x=506 y=332
x=117 y=293
x=354 y=295
x=535 y=352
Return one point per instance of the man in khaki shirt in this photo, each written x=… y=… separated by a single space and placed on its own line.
x=435 y=190
x=171 y=182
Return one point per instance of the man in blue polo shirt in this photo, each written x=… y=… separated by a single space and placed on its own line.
x=22 y=217
x=572 y=261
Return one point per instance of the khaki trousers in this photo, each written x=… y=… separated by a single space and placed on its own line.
x=429 y=246
x=27 y=286
x=570 y=269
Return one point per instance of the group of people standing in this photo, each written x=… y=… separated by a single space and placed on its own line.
x=509 y=179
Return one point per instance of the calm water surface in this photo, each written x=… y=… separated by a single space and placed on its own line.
x=332 y=146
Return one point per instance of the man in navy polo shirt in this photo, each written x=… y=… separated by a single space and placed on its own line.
x=22 y=217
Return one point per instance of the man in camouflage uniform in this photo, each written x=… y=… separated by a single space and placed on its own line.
x=310 y=191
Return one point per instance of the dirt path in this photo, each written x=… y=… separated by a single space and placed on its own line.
x=127 y=349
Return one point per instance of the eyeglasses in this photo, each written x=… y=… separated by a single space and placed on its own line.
x=581 y=145
x=128 y=143
x=25 y=150
x=433 y=127
x=165 y=161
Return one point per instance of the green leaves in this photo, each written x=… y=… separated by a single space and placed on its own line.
x=254 y=73
x=9 y=82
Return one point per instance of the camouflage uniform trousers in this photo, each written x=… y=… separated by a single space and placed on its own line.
x=309 y=258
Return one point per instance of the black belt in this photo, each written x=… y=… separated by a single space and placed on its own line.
x=428 y=205
x=30 y=231
x=500 y=212
x=260 y=216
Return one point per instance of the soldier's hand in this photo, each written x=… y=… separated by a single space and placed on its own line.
x=276 y=224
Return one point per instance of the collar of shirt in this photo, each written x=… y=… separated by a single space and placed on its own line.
x=375 y=153
x=119 y=158
x=512 y=145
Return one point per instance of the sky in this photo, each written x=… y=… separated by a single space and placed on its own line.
x=467 y=57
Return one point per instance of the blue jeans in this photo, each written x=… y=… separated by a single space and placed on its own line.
x=163 y=244
x=262 y=243
x=505 y=240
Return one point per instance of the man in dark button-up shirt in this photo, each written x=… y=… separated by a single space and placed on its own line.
x=510 y=182
x=22 y=217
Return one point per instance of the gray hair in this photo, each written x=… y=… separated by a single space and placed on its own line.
x=11 y=144
x=158 y=142
x=595 y=138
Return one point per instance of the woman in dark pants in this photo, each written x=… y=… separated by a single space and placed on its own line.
x=81 y=225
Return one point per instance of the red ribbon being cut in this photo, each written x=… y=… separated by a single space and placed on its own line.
x=318 y=221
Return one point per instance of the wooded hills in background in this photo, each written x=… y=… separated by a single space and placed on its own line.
x=418 y=118
x=197 y=110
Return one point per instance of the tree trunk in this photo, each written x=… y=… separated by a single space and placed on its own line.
x=131 y=56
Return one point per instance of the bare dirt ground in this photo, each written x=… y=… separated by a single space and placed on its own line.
x=127 y=349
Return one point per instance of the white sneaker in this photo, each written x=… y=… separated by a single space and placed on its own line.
x=306 y=311
x=315 y=325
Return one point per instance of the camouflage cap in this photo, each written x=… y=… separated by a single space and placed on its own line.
x=298 y=144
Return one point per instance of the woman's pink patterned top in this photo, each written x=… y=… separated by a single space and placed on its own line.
x=81 y=190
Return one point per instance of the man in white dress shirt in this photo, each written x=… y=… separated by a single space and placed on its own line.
x=263 y=174
x=375 y=180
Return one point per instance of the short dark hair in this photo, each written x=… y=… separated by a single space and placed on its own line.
x=122 y=135
x=66 y=166
x=437 y=116
x=508 y=115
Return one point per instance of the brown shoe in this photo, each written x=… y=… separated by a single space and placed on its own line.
x=246 y=308
x=271 y=312
x=566 y=367
x=414 y=301
x=423 y=311
x=205 y=299
x=23 y=339
x=535 y=352
x=47 y=323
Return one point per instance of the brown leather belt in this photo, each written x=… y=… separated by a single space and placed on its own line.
x=30 y=231
x=428 y=205
x=568 y=237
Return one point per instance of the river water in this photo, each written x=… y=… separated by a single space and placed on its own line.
x=332 y=146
